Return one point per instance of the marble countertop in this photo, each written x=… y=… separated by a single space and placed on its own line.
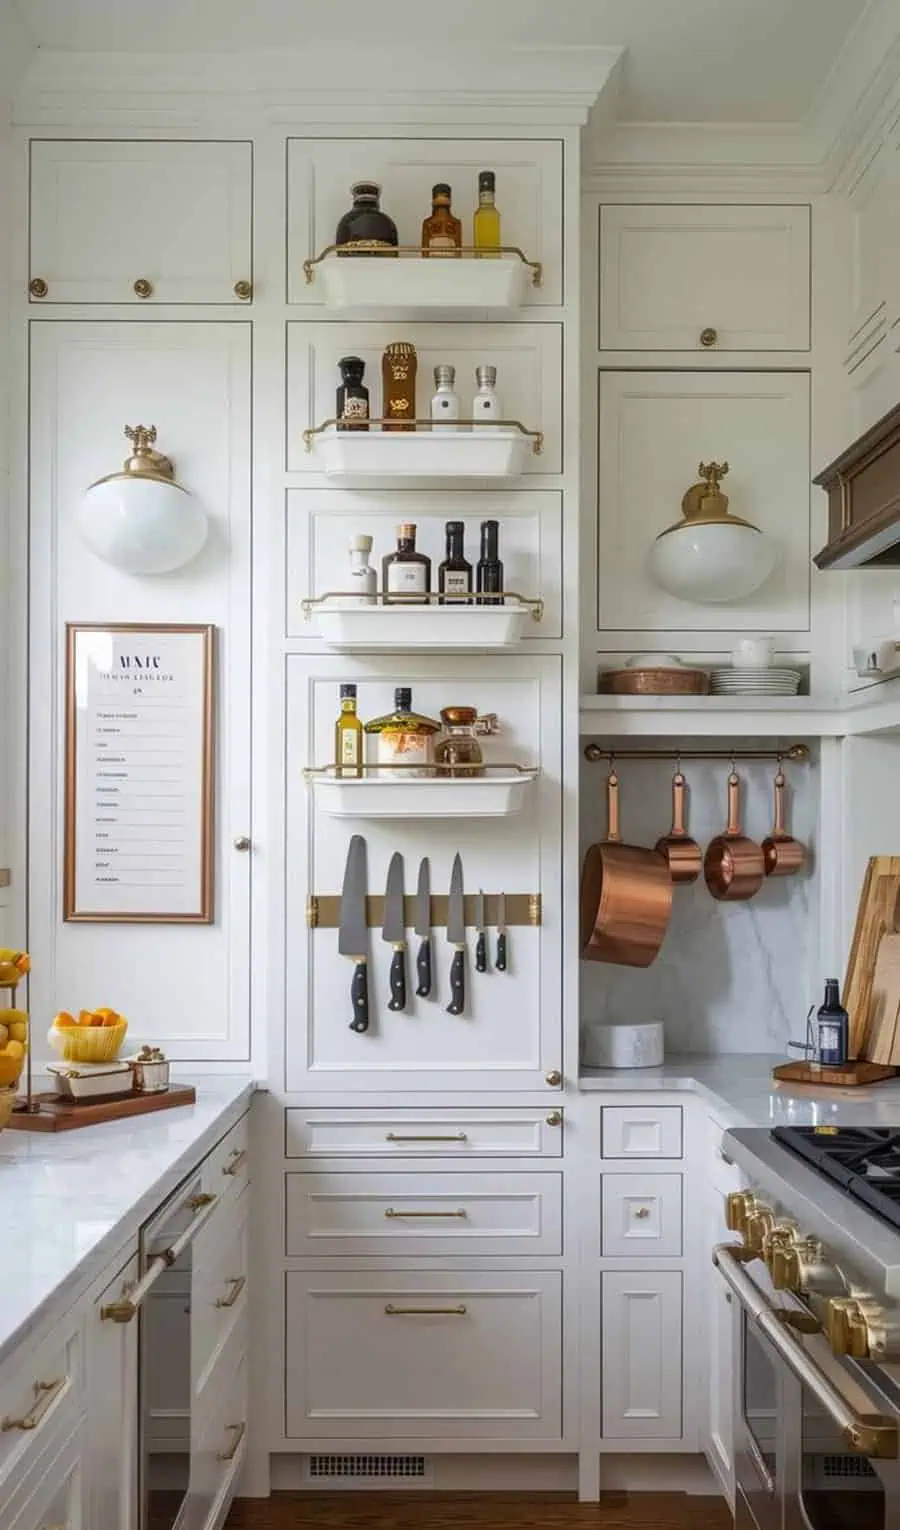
x=71 y=1200
x=740 y=1091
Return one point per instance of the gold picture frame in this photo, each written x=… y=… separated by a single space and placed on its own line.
x=190 y=653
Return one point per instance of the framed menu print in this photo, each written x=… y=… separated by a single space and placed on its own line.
x=139 y=773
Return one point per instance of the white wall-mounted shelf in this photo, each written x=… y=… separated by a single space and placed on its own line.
x=496 y=452
x=499 y=793
x=378 y=285
x=707 y=716
x=345 y=624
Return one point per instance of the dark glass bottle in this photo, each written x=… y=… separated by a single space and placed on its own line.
x=406 y=574
x=832 y=1028
x=352 y=396
x=489 y=573
x=455 y=573
x=365 y=227
x=442 y=230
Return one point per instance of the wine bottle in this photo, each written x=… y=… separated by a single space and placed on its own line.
x=455 y=573
x=489 y=572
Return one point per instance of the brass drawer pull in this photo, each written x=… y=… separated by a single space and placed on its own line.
x=237 y=1284
x=642 y=1211
x=708 y=337
x=239 y=1430
x=45 y=1393
x=142 y=288
x=244 y=291
x=197 y=1202
x=391 y=1311
x=393 y=1215
x=236 y=1162
x=455 y=1137
x=38 y=287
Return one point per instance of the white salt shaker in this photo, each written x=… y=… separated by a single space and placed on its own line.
x=362 y=579
x=445 y=403
x=486 y=406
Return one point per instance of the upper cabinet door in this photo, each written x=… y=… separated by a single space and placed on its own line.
x=129 y=222
x=529 y=196
x=704 y=279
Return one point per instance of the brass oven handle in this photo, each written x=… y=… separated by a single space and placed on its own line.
x=391 y=1311
x=237 y=1284
x=45 y=1393
x=239 y=1430
x=870 y=1434
x=127 y=1308
x=393 y=1215
x=236 y=1162
x=455 y=1137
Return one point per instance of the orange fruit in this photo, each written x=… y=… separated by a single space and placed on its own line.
x=64 y=1019
x=10 y=1068
x=85 y=1017
x=22 y=961
x=112 y=1018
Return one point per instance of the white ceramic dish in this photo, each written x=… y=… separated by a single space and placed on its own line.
x=85 y=1081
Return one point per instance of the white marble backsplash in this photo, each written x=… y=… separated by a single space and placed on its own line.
x=731 y=977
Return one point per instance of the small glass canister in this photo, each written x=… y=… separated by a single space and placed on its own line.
x=459 y=753
x=151 y=1070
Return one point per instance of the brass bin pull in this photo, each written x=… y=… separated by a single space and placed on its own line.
x=393 y=1215
x=239 y=1430
x=454 y=1137
x=236 y=1162
x=45 y=1393
x=237 y=1284
x=197 y=1202
x=391 y=1311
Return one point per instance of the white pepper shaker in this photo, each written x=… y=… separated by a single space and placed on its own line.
x=445 y=403
x=486 y=406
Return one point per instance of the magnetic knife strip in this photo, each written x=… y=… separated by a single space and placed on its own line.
x=323 y=910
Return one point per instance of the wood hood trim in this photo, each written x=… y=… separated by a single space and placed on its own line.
x=863 y=488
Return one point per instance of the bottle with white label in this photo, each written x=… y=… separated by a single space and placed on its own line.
x=486 y=406
x=406 y=574
x=455 y=573
x=445 y=403
x=362 y=579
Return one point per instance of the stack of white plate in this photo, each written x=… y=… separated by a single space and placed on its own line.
x=764 y=680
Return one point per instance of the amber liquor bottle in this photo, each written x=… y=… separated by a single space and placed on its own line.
x=406 y=574
x=398 y=384
x=442 y=231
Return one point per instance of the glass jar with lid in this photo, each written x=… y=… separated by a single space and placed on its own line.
x=458 y=752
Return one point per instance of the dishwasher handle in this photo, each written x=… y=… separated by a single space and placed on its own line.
x=129 y=1304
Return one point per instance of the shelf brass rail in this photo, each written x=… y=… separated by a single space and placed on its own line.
x=391 y=251
x=402 y=427
x=798 y=754
x=438 y=772
x=523 y=910
x=385 y=601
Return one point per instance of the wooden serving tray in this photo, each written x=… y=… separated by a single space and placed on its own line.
x=847 y=1076
x=56 y=1114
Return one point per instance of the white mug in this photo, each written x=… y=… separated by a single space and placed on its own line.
x=753 y=653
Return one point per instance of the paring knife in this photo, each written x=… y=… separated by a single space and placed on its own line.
x=481 y=941
x=394 y=930
x=500 y=963
x=423 y=929
x=456 y=934
x=353 y=934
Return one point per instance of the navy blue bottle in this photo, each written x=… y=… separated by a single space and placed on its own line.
x=832 y=1028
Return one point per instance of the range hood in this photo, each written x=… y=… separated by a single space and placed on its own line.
x=863 y=488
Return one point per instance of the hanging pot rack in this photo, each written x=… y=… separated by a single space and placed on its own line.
x=797 y=754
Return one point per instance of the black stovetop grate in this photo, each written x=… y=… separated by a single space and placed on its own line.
x=863 y=1160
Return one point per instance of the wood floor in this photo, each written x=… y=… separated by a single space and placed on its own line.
x=479 y=1511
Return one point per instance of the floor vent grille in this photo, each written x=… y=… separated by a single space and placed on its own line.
x=368 y=1469
x=846 y=1466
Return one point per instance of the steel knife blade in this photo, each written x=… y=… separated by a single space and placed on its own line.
x=500 y=962
x=353 y=932
x=394 y=930
x=481 y=940
x=456 y=935
x=423 y=929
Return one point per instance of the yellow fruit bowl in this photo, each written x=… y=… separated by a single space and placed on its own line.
x=10 y=1069
x=7 y=1102
x=88 y=1043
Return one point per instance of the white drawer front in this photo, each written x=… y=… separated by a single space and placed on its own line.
x=641 y=1214
x=220 y=1444
x=39 y=1389
x=420 y=1356
x=53 y=1498
x=226 y=1170
x=219 y=1297
x=642 y=1359
x=423 y=1213
x=642 y=1131
x=423 y=1134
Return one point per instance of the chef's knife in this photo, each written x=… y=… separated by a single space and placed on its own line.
x=481 y=941
x=394 y=930
x=456 y=934
x=423 y=929
x=500 y=963
x=353 y=934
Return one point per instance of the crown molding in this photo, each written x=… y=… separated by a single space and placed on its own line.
x=703 y=158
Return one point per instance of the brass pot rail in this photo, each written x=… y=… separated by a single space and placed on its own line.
x=389 y=252
x=798 y=754
x=323 y=911
x=423 y=426
x=386 y=601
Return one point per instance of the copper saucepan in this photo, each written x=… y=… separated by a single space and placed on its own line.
x=681 y=853
x=734 y=866
x=626 y=896
x=783 y=855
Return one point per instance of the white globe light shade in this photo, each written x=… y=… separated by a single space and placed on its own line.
x=712 y=562
x=140 y=520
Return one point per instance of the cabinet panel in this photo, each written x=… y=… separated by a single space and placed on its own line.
x=641 y=1215
x=44 y=1386
x=220 y=1441
x=219 y=1291
x=642 y=1131
x=192 y=381
x=654 y=429
x=528 y=358
x=529 y=195
x=509 y=1035
x=56 y=1500
x=106 y=214
x=320 y=525
x=112 y=1428
x=642 y=1359
x=367 y=1354
x=669 y=273
x=717 y=1433
x=422 y=1133
x=423 y=1214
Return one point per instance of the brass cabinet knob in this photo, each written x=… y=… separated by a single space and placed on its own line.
x=554 y=1078
x=738 y=1206
x=555 y=1118
x=244 y=291
x=143 y=288
x=708 y=337
x=242 y=842
x=641 y=1212
x=38 y=287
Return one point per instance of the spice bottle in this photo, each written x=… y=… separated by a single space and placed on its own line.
x=398 y=378
x=445 y=402
x=486 y=405
x=459 y=747
x=352 y=401
x=362 y=578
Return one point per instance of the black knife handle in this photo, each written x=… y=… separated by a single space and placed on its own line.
x=457 y=982
x=398 y=979
x=423 y=968
x=500 y=963
x=359 y=997
x=481 y=952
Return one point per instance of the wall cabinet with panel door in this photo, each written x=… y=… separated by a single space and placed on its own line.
x=642 y=1355
x=192 y=380
x=131 y=221
x=704 y=278
x=873 y=337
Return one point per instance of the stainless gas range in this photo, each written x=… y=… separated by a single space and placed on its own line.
x=815 y=1286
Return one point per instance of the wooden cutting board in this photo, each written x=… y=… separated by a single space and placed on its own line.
x=884 y=1001
x=876 y=915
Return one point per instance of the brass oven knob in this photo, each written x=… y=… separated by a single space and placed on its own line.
x=760 y=1223
x=848 y=1330
x=143 y=288
x=784 y=1267
x=782 y=1235
x=738 y=1206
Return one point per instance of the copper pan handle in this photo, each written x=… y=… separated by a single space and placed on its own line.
x=778 y=830
x=678 y=829
x=734 y=804
x=613 y=835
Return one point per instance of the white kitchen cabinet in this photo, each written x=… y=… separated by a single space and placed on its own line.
x=220 y=1441
x=642 y=1355
x=654 y=428
x=642 y=1131
x=641 y=1215
x=110 y=219
x=112 y=1419
x=54 y=1497
x=700 y=278
x=42 y=1395
x=435 y=1132
x=718 y=1327
x=428 y=1355
x=219 y=1296
x=529 y=196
